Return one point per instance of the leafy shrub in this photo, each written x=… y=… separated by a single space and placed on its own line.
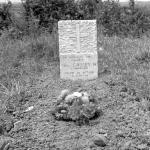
x=16 y=23
x=50 y=11
x=116 y=20
x=111 y=16
x=124 y=21
x=87 y=9
x=5 y=16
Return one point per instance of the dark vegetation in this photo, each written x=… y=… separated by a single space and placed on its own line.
x=5 y=16
x=112 y=17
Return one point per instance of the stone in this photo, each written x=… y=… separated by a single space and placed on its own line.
x=78 y=49
x=100 y=140
x=78 y=66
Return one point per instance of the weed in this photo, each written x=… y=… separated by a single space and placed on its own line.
x=144 y=57
x=14 y=88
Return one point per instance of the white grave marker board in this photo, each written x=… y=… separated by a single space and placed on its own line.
x=78 y=49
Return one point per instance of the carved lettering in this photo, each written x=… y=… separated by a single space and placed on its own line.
x=78 y=49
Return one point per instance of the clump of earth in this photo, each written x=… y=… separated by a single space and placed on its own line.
x=78 y=106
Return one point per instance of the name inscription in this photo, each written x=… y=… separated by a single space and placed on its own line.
x=78 y=49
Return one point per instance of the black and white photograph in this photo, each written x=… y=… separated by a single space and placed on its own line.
x=74 y=74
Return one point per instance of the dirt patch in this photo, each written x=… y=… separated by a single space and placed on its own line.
x=125 y=120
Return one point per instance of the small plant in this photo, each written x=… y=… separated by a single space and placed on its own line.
x=13 y=95
x=144 y=57
x=5 y=15
x=14 y=88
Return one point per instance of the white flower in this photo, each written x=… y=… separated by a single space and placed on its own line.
x=63 y=94
x=69 y=98
x=77 y=94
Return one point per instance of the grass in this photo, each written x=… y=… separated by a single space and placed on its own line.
x=32 y=54
x=128 y=58
x=33 y=62
x=24 y=60
x=15 y=88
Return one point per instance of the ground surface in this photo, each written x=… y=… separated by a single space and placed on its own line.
x=125 y=120
x=122 y=90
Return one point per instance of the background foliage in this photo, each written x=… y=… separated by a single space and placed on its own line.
x=5 y=16
x=113 y=18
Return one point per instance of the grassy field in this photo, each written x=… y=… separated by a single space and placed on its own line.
x=29 y=76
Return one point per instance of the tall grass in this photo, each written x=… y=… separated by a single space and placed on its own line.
x=29 y=55
x=129 y=60
x=20 y=59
